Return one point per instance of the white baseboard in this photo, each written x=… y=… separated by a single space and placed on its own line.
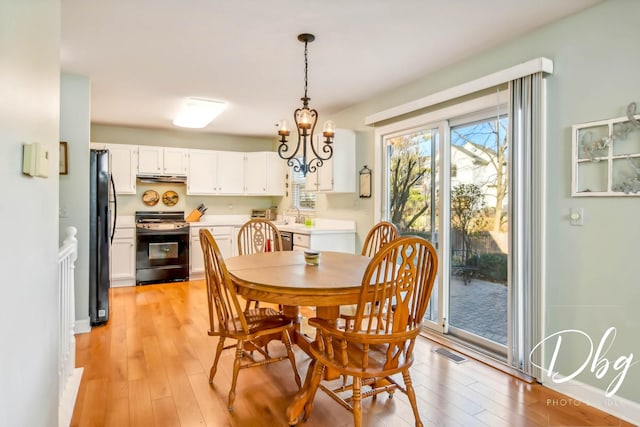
x=82 y=326
x=622 y=408
x=68 y=398
x=121 y=283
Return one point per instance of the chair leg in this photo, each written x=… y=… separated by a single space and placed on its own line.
x=236 y=369
x=412 y=396
x=214 y=366
x=357 y=401
x=286 y=339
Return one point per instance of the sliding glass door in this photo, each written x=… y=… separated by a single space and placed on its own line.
x=412 y=180
x=478 y=229
x=448 y=181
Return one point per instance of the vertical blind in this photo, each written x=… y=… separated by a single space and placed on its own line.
x=526 y=134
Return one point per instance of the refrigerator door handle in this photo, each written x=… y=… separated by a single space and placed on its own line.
x=115 y=208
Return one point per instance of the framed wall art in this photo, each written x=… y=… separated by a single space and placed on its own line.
x=64 y=158
x=606 y=157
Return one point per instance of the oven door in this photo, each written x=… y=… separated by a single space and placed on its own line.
x=162 y=257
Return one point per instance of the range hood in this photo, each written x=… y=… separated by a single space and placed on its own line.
x=168 y=179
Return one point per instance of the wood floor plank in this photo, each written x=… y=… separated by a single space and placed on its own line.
x=158 y=381
x=93 y=405
x=185 y=401
x=140 y=409
x=149 y=366
x=117 y=412
x=165 y=413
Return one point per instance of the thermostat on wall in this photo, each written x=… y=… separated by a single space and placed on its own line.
x=35 y=161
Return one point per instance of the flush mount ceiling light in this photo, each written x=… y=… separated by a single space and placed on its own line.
x=305 y=120
x=197 y=113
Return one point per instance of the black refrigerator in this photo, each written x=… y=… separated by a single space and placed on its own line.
x=101 y=235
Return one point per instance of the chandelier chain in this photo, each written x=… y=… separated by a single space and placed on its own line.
x=306 y=68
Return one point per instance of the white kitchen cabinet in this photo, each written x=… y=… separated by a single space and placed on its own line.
x=338 y=174
x=255 y=172
x=230 y=169
x=276 y=169
x=263 y=173
x=175 y=161
x=161 y=160
x=215 y=172
x=223 y=236
x=123 y=162
x=334 y=241
x=202 y=175
x=123 y=258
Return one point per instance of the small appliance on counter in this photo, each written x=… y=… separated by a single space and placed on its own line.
x=270 y=214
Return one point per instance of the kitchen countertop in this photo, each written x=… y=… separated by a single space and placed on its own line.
x=320 y=226
x=213 y=220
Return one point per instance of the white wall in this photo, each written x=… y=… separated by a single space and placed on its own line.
x=592 y=277
x=74 y=187
x=29 y=112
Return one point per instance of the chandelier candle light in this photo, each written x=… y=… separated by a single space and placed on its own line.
x=306 y=120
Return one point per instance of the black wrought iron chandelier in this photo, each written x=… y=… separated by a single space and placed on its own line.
x=313 y=155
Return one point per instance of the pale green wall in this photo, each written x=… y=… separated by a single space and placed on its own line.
x=177 y=138
x=129 y=204
x=75 y=100
x=591 y=278
x=29 y=112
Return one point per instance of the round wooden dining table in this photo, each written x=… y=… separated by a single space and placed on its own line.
x=285 y=278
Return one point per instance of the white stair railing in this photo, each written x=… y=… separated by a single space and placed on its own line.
x=67 y=374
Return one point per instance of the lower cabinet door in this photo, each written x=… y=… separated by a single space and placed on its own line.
x=224 y=239
x=123 y=262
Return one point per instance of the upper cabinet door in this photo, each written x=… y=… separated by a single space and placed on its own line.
x=255 y=172
x=230 y=172
x=150 y=160
x=338 y=174
x=174 y=161
x=202 y=175
x=123 y=162
x=276 y=170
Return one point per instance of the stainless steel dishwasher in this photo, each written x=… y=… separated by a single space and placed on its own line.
x=287 y=240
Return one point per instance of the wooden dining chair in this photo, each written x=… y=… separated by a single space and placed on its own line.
x=258 y=235
x=398 y=282
x=252 y=329
x=379 y=235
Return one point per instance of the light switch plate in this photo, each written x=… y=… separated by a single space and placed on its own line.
x=576 y=216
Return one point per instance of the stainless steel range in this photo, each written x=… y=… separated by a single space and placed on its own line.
x=162 y=253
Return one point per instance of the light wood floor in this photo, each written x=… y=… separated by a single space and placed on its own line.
x=149 y=367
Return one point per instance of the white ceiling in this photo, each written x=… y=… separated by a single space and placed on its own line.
x=144 y=57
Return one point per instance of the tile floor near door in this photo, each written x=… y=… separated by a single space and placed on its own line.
x=149 y=366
